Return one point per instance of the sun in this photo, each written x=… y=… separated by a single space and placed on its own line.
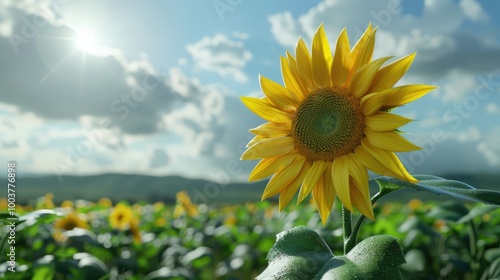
x=86 y=41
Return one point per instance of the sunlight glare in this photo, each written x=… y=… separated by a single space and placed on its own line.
x=86 y=41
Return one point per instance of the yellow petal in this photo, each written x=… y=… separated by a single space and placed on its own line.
x=268 y=166
x=389 y=75
x=315 y=172
x=390 y=141
x=390 y=160
x=269 y=148
x=289 y=80
x=340 y=178
x=405 y=94
x=321 y=58
x=361 y=201
x=287 y=194
x=371 y=103
x=277 y=94
x=272 y=130
x=341 y=64
x=324 y=196
x=282 y=179
x=265 y=110
x=372 y=163
x=383 y=121
x=292 y=65
x=358 y=173
x=363 y=77
x=362 y=51
x=255 y=140
x=304 y=64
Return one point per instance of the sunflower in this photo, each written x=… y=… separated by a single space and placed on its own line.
x=184 y=205
x=330 y=123
x=71 y=221
x=121 y=217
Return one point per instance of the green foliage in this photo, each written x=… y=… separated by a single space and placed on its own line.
x=440 y=186
x=232 y=242
x=300 y=253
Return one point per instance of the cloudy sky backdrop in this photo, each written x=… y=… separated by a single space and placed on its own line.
x=152 y=87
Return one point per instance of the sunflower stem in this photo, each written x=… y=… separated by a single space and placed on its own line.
x=346 y=217
x=354 y=235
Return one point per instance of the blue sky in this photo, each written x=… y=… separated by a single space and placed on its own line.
x=153 y=87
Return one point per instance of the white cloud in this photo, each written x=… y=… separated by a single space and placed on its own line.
x=221 y=55
x=435 y=35
x=240 y=35
x=490 y=149
x=492 y=108
x=159 y=158
x=284 y=28
x=472 y=134
x=473 y=10
x=457 y=86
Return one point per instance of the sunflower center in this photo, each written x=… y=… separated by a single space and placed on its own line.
x=329 y=123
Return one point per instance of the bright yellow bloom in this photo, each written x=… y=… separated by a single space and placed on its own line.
x=230 y=220
x=46 y=202
x=184 y=205
x=330 y=123
x=105 y=202
x=3 y=203
x=415 y=204
x=121 y=217
x=67 y=204
x=71 y=221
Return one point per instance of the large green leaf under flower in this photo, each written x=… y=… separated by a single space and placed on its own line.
x=300 y=253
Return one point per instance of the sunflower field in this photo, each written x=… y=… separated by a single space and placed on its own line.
x=105 y=240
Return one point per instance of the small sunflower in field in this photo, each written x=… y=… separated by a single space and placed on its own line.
x=121 y=216
x=331 y=122
x=46 y=202
x=184 y=205
x=67 y=204
x=3 y=203
x=105 y=202
x=71 y=221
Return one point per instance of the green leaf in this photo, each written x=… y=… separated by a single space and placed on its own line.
x=43 y=273
x=440 y=186
x=300 y=253
x=476 y=212
x=377 y=257
x=42 y=215
x=415 y=261
x=90 y=266
x=492 y=254
x=198 y=258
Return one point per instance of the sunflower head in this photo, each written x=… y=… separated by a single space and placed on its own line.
x=121 y=217
x=331 y=122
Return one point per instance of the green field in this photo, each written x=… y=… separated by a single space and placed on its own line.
x=441 y=240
